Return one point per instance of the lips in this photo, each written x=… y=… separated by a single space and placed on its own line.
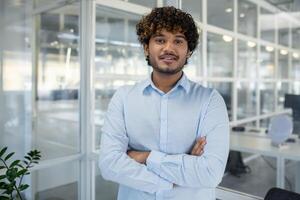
x=168 y=58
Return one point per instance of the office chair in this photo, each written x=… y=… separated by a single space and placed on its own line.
x=281 y=194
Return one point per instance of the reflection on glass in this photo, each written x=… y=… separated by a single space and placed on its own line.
x=15 y=76
x=283 y=64
x=267 y=62
x=247 y=18
x=246 y=59
x=295 y=66
x=283 y=88
x=119 y=58
x=225 y=89
x=246 y=92
x=296 y=37
x=57 y=127
x=296 y=87
x=219 y=55
x=194 y=66
x=283 y=31
x=58 y=182
x=193 y=7
x=267 y=25
x=220 y=13
x=104 y=190
x=147 y=3
x=267 y=97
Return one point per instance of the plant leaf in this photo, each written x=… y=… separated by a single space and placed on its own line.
x=16 y=162
x=21 y=172
x=2 y=167
x=3 y=151
x=2 y=197
x=2 y=177
x=9 y=155
x=23 y=187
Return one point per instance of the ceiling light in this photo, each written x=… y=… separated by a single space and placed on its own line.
x=227 y=38
x=228 y=10
x=269 y=49
x=242 y=15
x=251 y=44
x=295 y=55
x=283 y=52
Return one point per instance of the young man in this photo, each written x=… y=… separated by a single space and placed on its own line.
x=166 y=137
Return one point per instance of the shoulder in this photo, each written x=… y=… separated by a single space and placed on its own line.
x=207 y=94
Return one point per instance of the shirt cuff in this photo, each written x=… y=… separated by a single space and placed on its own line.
x=154 y=160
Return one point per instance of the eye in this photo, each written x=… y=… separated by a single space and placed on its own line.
x=159 y=40
x=178 y=41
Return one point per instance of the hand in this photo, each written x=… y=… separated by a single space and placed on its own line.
x=198 y=148
x=138 y=156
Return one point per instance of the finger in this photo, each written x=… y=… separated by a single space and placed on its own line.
x=196 y=146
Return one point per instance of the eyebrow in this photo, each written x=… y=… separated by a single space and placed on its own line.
x=177 y=35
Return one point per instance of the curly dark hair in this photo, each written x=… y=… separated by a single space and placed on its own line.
x=171 y=19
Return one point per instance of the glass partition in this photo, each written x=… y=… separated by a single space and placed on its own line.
x=267 y=62
x=119 y=58
x=220 y=13
x=267 y=25
x=247 y=59
x=219 y=55
x=56 y=102
x=247 y=18
x=246 y=92
x=267 y=97
x=58 y=182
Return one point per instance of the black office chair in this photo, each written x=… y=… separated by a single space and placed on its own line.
x=280 y=194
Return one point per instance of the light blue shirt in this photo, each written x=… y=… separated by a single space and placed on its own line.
x=142 y=117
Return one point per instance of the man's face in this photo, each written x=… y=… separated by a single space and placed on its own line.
x=167 y=52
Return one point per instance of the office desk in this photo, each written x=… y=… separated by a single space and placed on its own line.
x=258 y=144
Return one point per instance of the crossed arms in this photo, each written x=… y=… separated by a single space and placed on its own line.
x=155 y=171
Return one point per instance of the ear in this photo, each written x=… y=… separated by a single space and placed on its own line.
x=189 y=54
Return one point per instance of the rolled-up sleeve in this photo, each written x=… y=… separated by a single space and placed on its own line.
x=114 y=163
x=205 y=171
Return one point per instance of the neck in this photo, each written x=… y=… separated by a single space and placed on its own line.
x=165 y=82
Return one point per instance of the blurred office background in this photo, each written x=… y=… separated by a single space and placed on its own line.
x=62 y=60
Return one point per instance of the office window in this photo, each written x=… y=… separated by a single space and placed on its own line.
x=295 y=66
x=296 y=87
x=283 y=64
x=246 y=92
x=57 y=182
x=247 y=59
x=220 y=13
x=267 y=97
x=267 y=25
x=267 y=62
x=295 y=36
x=119 y=58
x=225 y=89
x=283 y=31
x=193 y=7
x=283 y=88
x=247 y=18
x=219 y=55
x=194 y=66
x=147 y=3
x=58 y=76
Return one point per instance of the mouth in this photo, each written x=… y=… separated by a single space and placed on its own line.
x=168 y=58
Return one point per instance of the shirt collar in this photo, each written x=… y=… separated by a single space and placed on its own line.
x=183 y=82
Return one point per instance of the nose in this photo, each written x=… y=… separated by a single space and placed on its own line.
x=168 y=47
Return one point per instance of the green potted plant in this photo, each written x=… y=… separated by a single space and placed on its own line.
x=12 y=173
